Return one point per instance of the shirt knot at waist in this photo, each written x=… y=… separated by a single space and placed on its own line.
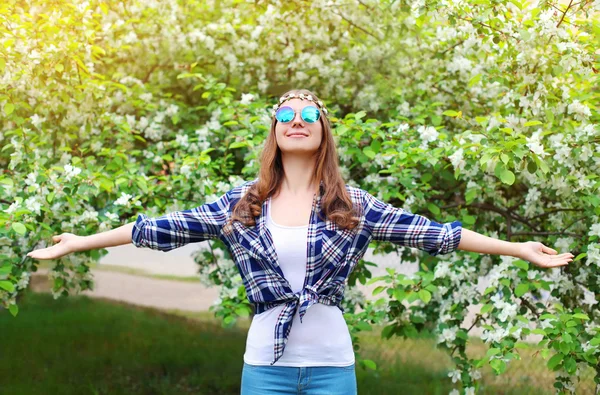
x=297 y=302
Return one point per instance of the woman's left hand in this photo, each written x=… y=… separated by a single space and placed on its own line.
x=542 y=256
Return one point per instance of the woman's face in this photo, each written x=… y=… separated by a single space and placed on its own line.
x=299 y=136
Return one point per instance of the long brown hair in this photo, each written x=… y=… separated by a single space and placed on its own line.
x=335 y=202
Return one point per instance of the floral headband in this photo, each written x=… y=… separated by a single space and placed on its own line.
x=300 y=96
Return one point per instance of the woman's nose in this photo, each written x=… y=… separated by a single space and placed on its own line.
x=297 y=119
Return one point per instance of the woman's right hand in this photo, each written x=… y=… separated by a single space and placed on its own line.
x=67 y=243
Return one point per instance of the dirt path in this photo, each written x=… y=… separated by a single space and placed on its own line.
x=144 y=291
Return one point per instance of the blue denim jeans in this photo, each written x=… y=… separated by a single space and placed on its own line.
x=283 y=380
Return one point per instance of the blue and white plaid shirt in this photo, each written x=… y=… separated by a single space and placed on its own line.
x=332 y=252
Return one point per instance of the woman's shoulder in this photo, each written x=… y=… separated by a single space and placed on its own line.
x=356 y=194
x=240 y=190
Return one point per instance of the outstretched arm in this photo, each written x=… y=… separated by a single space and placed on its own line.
x=69 y=242
x=532 y=251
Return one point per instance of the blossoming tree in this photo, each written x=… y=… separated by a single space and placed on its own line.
x=485 y=113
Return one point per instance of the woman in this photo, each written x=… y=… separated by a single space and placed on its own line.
x=295 y=233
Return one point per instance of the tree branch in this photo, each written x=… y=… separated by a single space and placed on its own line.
x=565 y=13
x=530 y=307
x=477 y=318
x=356 y=26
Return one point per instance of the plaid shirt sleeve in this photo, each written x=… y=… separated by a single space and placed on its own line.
x=179 y=228
x=388 y=223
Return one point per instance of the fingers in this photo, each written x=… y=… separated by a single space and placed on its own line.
x=561 y=260
x=549 y=250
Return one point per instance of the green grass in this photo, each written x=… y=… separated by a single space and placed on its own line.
x=79 y=345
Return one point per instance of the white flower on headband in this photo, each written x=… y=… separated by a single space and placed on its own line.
x=301 y=96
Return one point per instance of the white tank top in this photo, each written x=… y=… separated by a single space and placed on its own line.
x=322 y=338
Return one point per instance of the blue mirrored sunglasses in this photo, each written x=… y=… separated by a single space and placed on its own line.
x=309 y=114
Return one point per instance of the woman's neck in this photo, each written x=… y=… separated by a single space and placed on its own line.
x=298 y=175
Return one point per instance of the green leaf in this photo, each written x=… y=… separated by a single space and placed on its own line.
x=425 y=295
x=450 y=113
x=59 y=67
x=521 y=290
x=238 y=144
x=375 y=279
x=492 y=351
x=368 y=151
x=433 y=208
x=9 y=108
x=475 y=79
x=14 y=309
x=488 y=290
x=486 y=308
x=580 y=256
x=470 y=195
x=242 y=312
x=498 y=365
x=378 y=290
x=369 y=364
x=7 y=285
x=468 y=220
x=532 y=123
x=359 y=115
x=507 y=177
x=521 y=264
x=564 y=347
x=570 y=365
x=19 y=228
x=399 y=294
x=555 y=361
x=581 y=316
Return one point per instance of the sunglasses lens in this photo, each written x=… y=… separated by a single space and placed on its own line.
x=285 y=114
x=310 y=114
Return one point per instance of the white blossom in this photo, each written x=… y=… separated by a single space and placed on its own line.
x=454 y=375
x=71 y=171
x=123 y=200
x=448 y=335
x=593 y=254
x=36 y=120
x=247 y=98
x=594 y=230
x=580 y=111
